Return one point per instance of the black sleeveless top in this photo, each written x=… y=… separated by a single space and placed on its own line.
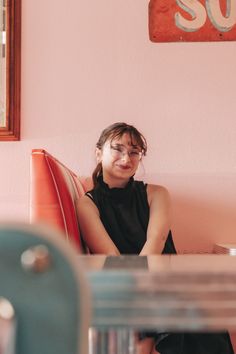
x=124 y=213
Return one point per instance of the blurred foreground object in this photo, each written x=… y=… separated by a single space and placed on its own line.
x=42 y=279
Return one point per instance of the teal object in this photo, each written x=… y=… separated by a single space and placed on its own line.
x=52 y=305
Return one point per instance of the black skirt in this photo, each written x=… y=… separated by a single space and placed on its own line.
x=194 y=343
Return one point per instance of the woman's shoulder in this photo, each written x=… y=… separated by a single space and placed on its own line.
x=157 y=188
x=152 y=188
x=156 y=191
x=85 y=202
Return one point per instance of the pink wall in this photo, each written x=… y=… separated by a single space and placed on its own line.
x=87 y=64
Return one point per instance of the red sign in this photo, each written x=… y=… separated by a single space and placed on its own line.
x=192 y=20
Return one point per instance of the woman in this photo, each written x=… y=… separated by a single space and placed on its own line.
x=123 y=216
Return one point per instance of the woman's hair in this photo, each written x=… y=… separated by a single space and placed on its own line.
x=117 y=130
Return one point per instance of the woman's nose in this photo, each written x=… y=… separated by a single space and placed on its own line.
x=125 y=156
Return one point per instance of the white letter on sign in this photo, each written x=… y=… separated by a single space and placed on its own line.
x=196 y=10
x=223 y=24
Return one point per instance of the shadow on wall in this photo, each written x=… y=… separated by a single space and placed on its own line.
x=199 y=223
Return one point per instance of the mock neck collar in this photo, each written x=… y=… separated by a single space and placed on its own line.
x=116 y=192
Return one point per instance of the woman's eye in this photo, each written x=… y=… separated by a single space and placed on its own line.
x=116 y=148
x=134 y=153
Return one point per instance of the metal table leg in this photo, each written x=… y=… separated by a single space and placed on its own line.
x=121 y=341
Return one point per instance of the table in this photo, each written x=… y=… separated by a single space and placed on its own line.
x=164 y=293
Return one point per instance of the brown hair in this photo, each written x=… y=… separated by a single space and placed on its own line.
x=116 y=130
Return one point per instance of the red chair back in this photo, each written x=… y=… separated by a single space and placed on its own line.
x=54 y=190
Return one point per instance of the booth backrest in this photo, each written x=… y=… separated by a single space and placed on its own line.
x=54 y=190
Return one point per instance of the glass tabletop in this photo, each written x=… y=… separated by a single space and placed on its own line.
x=190 y=293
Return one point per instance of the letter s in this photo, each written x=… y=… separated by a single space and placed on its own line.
x=196 y=10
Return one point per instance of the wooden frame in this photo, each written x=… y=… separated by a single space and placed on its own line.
x=11 y=131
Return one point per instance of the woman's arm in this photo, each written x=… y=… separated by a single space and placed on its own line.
x=92 y=229
x=159 y=220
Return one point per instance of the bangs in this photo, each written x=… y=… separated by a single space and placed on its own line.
x=136 y=140
x=117 y=130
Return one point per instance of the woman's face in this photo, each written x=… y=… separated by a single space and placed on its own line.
x=120 y=159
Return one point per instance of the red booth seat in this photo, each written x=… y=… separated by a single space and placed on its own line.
x=54 y=190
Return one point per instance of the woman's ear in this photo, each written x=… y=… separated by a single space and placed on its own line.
x=98 y=154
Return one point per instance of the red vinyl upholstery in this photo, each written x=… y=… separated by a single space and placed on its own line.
x=54 y=189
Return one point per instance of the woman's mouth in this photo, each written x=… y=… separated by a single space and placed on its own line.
x=123 y=167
